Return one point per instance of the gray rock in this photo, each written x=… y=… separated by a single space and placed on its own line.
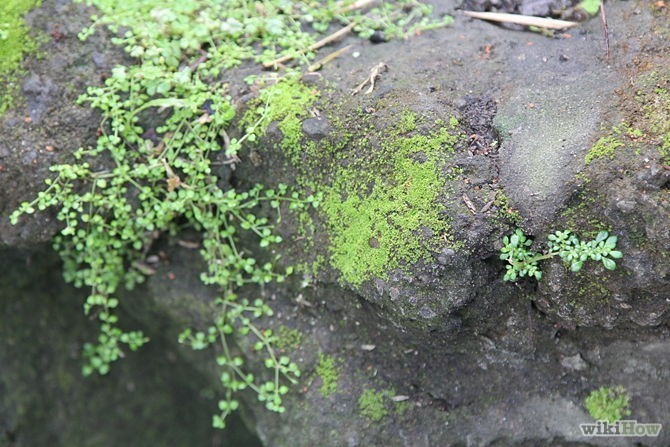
x=574 y=362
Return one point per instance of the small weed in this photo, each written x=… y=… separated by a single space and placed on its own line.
x=564 y=244
x=608 y=404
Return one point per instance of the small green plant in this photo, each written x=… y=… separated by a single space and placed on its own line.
x=329 y=373
x=608 y=404
x=522 y=261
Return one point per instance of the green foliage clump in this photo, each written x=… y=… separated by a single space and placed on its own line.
x=564 y=244
x=376 y=222
x=138 y=182
x=15 y=43
x=608 y=404
x=329 y=372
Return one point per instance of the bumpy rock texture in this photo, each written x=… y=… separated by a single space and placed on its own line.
x=477 y=361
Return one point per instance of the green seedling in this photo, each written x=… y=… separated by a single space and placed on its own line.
x=523 y=262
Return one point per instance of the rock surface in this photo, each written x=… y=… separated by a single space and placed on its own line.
x=471 y=360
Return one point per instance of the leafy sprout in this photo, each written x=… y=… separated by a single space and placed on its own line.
x=523 y=262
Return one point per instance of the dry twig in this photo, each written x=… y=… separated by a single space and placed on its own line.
x=469 y=204
x=374 y=73
x=322 y=43
x=521 y=19
x=605 y=29
x=323 y=61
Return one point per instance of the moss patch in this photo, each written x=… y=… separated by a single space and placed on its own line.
x=652 y=116
x=620 y=136
x=506 y=213
x=287 y=103
x=288 y=338
x=379 y=212
x=371 y=404
x=382 y=183
x=329 y=372
x=375 y=405
x=580 y=216
x=605 y=147
x=656 y=107
x=15 y=43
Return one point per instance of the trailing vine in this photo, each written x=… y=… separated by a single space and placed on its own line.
x=142 y=181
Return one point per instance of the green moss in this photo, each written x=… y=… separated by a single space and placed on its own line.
x=622 y=135
x=609 y=404
x=288 y=338
x=287 y=103
x=381 y=186
x=653 y=98
x=15 y=43
x=407 y=122
x=371 y=404
x=375 y=405
x=658 y=114
x=329 y=372
x=591 y=292
x=401 y=408
x=380 y=210
x=605 y=147
x=505 y=210
x=582 y=213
